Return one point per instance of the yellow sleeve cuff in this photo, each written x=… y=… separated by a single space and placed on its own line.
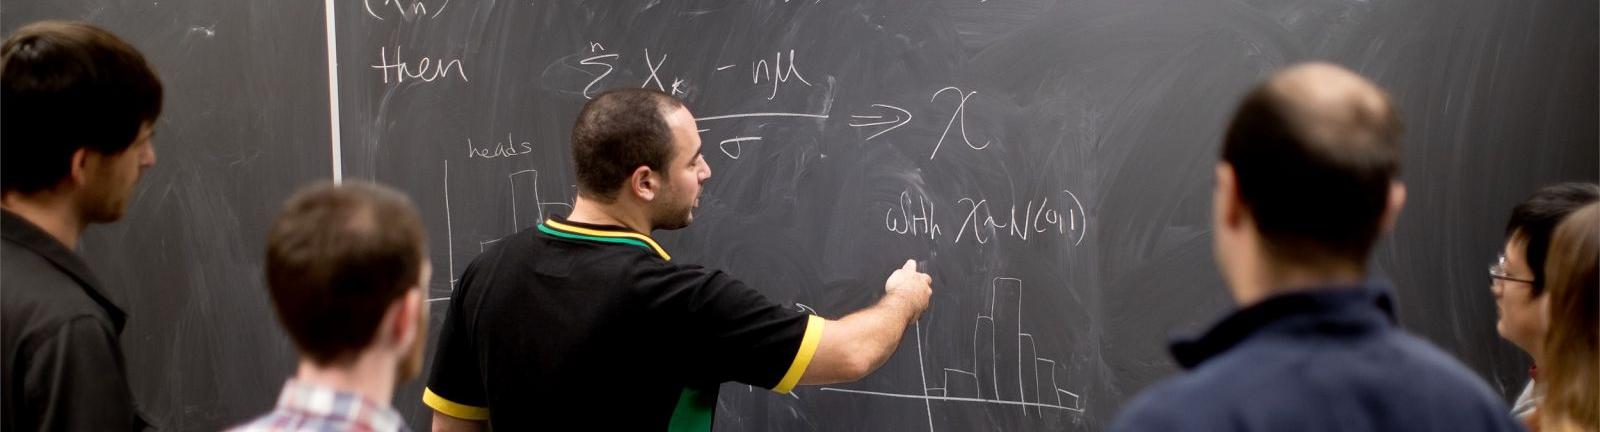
x=802 y=357
x=450 y=408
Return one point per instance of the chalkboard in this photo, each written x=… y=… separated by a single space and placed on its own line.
x=243 y=124
x=1049 y=160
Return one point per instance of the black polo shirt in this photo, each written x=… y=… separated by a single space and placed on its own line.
x=576 y=326
x=63 y=363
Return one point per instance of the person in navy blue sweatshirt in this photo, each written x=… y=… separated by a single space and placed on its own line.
x=1307 y=182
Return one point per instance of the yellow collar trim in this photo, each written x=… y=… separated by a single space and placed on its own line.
x=615 y=234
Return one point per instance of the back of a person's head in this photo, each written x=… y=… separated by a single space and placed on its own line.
x=617 y=132
x=337 y=257
x=1570 y=369
x=1533 y=221
x=1315 y=150
x=66 y=86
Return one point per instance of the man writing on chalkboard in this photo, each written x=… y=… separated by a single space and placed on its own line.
x=78 y=105
x=1306 y=184
x=586 y=323
x=346 y=270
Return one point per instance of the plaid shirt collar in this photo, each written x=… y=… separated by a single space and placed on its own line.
x=314 y=401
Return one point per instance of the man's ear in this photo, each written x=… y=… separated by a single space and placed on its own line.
x=79 y=171
x=1397 y=200
x=1229 y=208
x=401 y=319
x=643 y=183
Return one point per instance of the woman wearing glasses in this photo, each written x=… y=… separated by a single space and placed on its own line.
x=1517 y=276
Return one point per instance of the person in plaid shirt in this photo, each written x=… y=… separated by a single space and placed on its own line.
x=346 y=267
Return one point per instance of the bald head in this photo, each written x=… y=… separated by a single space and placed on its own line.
x=1329 y=106
x=1314 y=150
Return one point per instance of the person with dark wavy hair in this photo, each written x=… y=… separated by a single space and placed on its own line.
x=77 y=109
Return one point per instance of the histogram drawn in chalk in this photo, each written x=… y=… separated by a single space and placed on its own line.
x=1046 y=394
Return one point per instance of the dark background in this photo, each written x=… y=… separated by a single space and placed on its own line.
x=1105 y=114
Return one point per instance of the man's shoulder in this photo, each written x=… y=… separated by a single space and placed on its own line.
x=278 y=421
x=38 y=296
x=1186 y=401
x=528 y=259
x=533 y=246
x=1430 y=365
x=1392 y=367
x=1289 y=383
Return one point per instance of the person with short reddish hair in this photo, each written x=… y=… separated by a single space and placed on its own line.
x=346 y=269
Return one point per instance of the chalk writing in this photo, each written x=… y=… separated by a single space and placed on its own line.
x=912 y=219
x=982 y=221
x=449 y=230
x=507 y=148
x=425 y=69
x=1040 y=218
x=737 y=148
x=654 y=67
x=603 y=60
x=901 y=117
x=417 y=9
x=677 y=88
x=601 y=66
x=777 y=73
x=986 y=333
x=532 y=191
x=960 y=115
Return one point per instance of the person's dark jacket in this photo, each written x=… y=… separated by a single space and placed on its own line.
x=63 y=363
x=1321 y=359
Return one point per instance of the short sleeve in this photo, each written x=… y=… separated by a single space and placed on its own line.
x=74 y=380
x=455 y=387
x=735 y=333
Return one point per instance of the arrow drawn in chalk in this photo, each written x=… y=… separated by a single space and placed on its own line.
x=872 y=120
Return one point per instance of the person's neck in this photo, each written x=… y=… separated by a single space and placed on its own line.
x=55 y=215
x=1538 y=348
x=1273 y=279
x=618 y=212
x=369 y=376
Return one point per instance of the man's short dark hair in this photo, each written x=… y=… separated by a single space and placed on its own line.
x=1315 y=174
x=337 y=257
x=616 y=133
x=1534 y=219
x=66 y=86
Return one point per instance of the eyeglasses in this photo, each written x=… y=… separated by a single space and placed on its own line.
x=1497 y=272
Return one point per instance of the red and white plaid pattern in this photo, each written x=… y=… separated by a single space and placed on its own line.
x=303 y=407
